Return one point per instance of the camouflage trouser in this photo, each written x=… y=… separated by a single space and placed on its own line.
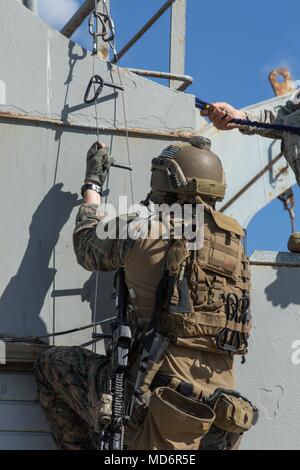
x=68 y=387
x=70 y=382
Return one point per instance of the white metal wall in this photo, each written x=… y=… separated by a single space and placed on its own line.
x=22 y=423
x=270 y=378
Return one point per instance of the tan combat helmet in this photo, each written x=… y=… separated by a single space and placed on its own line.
x=188 y=170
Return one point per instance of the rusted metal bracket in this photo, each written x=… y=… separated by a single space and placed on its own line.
x=186 y=79
x=281 y=87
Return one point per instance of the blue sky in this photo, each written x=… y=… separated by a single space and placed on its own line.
x=231 y=47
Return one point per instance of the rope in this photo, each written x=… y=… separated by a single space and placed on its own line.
x=200 y=104
x=18 y=339
x=94 y=314
x=264 y=125
x=112 y=45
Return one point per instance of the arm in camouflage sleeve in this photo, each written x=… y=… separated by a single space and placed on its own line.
x=222 y=113
x=92 y=253
x=270 y=116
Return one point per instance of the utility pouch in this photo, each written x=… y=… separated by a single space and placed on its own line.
x=173 y=422
x=234 y=413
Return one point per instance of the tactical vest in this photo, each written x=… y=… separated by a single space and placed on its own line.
x=194 y=312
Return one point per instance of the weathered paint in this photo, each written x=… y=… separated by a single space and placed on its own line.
x=74 y=126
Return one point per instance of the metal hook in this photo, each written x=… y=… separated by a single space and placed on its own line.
x=97 y=80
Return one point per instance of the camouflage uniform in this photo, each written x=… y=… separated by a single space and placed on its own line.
x=68 y=377
x=288 y=114
x=68 y=390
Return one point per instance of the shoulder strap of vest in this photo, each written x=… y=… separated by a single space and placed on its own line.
x=224 y=222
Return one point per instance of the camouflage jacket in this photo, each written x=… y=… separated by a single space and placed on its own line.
x=288 y=114
x=93 y=253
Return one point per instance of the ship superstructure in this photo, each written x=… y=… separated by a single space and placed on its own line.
x=46 y=128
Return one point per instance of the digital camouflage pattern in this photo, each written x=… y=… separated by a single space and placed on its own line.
x=70 y=381
x=91 y=252
x=69 y=390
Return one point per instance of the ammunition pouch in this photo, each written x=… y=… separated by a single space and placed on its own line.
x=234 y=413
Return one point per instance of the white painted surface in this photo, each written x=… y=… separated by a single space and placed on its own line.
x=22 y=422
x=2 y=92
x=270 y=378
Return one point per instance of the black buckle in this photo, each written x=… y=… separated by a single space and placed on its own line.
x=186 y=389
x=163 y=380
x=160 y=380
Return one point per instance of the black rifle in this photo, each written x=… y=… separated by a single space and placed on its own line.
x=112 y=437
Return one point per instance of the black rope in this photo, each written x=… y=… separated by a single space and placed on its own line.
x=200 y=104
x=264 y=125
x=59 y=333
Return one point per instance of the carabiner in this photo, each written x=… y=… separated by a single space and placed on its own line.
x=110 y=30
x=107 y=26
x=99 y=82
